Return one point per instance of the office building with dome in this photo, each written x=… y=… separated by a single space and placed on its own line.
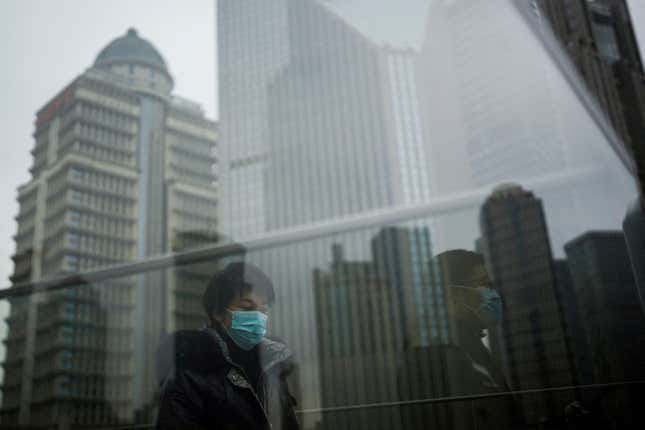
x=122 y=170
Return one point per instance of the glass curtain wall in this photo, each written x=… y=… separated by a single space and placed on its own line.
x=451 y=226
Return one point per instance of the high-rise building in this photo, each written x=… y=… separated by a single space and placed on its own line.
x=612 y=317
x=122 y=169
x=402 y=255
x=569 y=302
x=599 y=37
x=318 y=124
x=253 y=46
x=359 y=337
x=533 y=341
x=372 y=315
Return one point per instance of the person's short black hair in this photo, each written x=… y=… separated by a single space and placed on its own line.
x=455 y=267
x=236 y=279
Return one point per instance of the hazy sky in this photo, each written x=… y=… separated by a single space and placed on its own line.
x=47 y=43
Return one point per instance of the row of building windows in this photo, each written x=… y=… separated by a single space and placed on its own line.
x=90 y=336
x=106 y=116
x=203 y=165
x=102 y=203
x=105 y=247
x=105 y=136
x=86 y=386
x=83 y=361
x=100 y=180
x=100 y=224
x=104 y=294
x=196 y=204
x=192 y=223
x=194 y=174
x=76 y=263
x=190 y=147
x=105 y=153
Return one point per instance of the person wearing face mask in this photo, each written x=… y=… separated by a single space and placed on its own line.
x=228 y=374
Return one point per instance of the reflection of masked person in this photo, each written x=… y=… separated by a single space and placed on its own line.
x=473 y=307
x=482 y=303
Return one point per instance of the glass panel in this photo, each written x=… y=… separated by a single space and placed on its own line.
x=408 y=215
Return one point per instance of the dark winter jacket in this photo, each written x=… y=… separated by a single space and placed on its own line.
x=203 y=388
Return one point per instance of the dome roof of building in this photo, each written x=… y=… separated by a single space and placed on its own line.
x=131 y=49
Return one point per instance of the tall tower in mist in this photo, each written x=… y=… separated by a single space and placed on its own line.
x=318 y=121
x=122 y=170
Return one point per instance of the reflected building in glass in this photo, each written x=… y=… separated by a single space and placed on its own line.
x=612 y=318
x=599 y=38
x=533 y=340
x=122 y=169
x=358 y=328
x=321 y=123
x=372 y=316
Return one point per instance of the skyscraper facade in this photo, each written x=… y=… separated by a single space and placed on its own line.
x=358 y=340
x=121 y=170
x=533 y=340
x=372 y=316
x=326 y=125
x=253 y=46
x=599 y=37
x=611 y=316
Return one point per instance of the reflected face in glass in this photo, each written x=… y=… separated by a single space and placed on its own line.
x=479 y=278
x=467 y=298
x=248 y=301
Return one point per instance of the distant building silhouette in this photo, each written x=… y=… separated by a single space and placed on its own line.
x=401 y=254
x=579 y=344
x=359 y=339
x=612 y=317
x=634 y=229
x=533 y=340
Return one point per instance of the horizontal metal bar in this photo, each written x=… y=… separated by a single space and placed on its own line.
x=434 y=400
x=467 y=398
x=438 y=206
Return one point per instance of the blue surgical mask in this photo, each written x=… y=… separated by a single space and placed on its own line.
x=490 y=309
x=248 y=328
